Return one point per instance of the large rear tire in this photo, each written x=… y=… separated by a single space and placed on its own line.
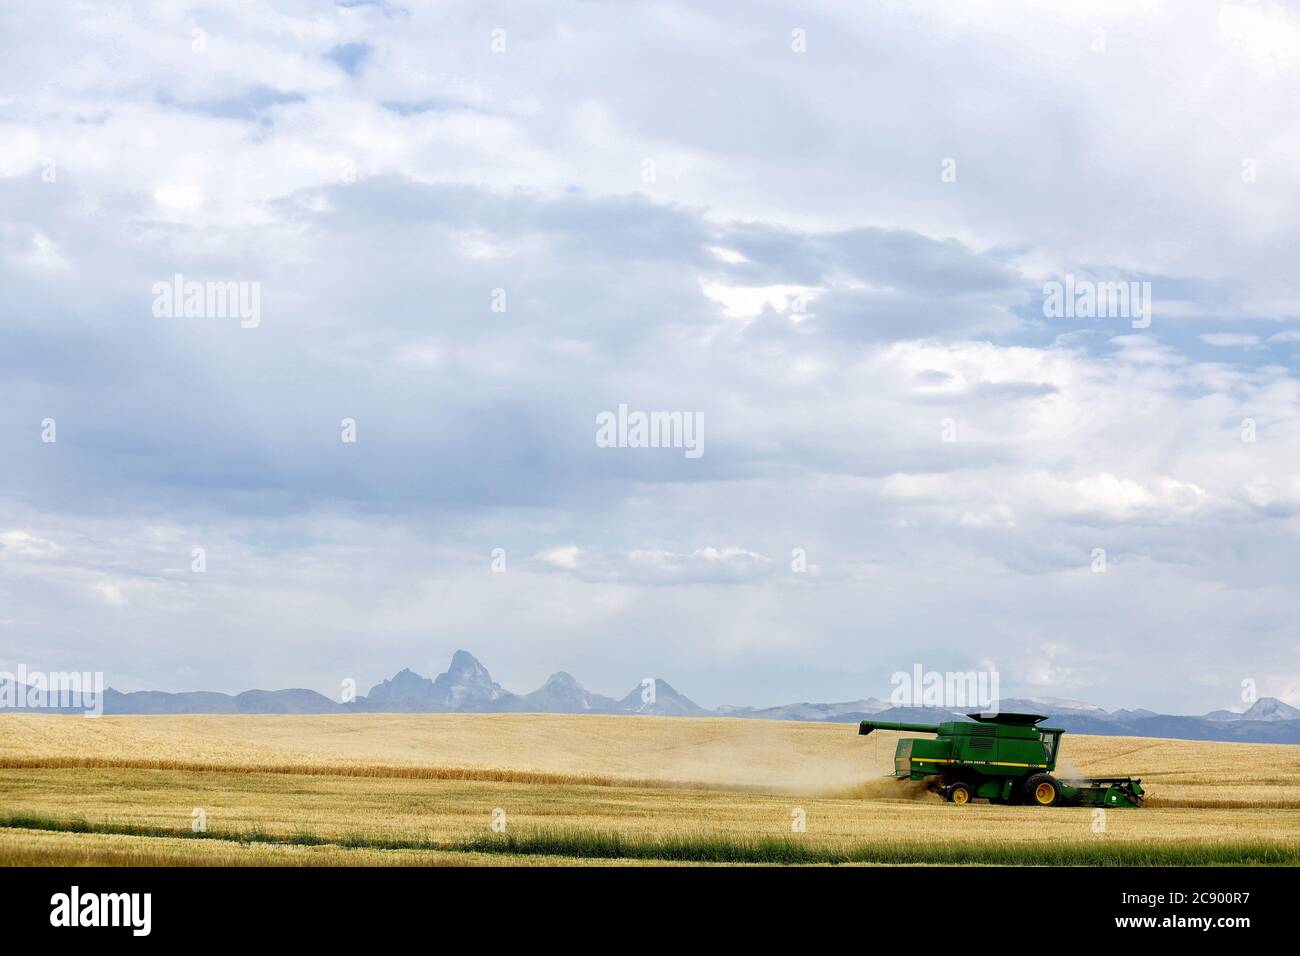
x=1042 y=790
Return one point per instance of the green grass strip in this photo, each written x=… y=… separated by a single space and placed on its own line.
x=786 y=850
x=603 y=845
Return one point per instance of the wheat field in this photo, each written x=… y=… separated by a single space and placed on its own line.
x=403 y=789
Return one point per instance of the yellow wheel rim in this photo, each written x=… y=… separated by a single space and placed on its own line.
x=1044 y=793
x=960 y=796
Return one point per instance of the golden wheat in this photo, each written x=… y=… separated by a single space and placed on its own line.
x=797 y=758
x=434 y=780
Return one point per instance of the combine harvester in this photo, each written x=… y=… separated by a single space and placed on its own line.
x=1003 y=758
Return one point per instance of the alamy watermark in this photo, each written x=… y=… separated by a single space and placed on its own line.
x=57 y=690
x=182 y=299
x=1086 y=299
x=628 y=429
x=75 y=908
x=948 y=689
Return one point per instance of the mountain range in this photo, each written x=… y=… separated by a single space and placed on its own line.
x=467 y=687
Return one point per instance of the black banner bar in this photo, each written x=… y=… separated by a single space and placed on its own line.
x=332 y=905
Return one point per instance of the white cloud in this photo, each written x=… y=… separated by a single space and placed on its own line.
x=807 y=282
x=24 y=544
x=562 y=557
x=1230 y=340
x=1268 y=35
x=748 y=301
x=110 y=593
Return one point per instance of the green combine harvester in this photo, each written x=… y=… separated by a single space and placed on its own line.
x=1002 y=758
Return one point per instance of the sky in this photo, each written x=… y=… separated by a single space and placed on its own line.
x=823 y=231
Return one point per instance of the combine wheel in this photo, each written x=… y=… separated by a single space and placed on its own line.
x=959 y=793
x=1042 y=790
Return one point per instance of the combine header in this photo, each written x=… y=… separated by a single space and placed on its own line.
x=1002 y=758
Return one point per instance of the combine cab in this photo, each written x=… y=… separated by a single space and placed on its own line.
x=1002 y=758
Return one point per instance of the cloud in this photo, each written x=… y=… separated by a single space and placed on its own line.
x=470 y=254
x=250 y=105
x=110 y=593
x=26 y=545
x=562 y=557
x=1230 y=340
x=659 y=566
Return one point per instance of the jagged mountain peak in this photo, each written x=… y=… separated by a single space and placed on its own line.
x=564 y=695
x=1270 y=708
x=466 y=685
x=406 y=684
x=664 y=700
x=463 y=662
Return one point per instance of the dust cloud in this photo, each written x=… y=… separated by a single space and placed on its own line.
x=785 y=759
